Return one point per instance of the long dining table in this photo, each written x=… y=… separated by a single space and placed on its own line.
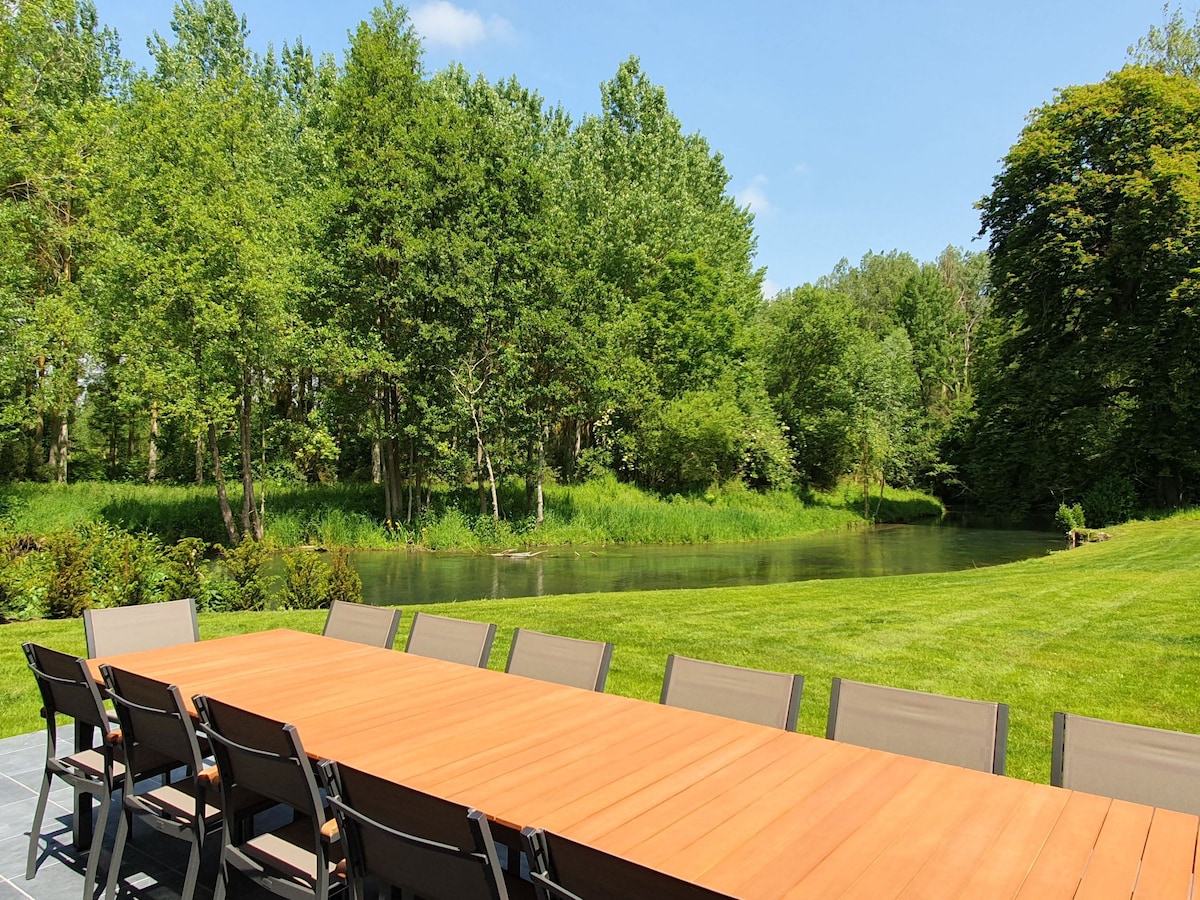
x=751 y=811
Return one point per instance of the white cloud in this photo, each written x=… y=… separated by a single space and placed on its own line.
x=441 y=23
x=769 y=288
x=754 y=195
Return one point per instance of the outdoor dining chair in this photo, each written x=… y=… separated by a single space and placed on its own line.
x=68 y=689
x=413 y=842
x=1129 y=762
x=264 y=757
x=968 y=733
x=375 y=626
x=562 y=869
x=752 y=695
x=454 y=640
x=562 y=660
x=125 y=629
x=155 y=725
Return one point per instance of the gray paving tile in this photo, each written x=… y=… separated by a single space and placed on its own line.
x=9 y=891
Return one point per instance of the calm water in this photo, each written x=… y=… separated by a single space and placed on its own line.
x=404 y=577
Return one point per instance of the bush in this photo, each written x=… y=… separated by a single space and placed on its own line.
x=1110 y=501
x=307 y=583
x=1069 y=518
x=184 y=576
x=344 y=583
x=245 y=564
x=69 y=591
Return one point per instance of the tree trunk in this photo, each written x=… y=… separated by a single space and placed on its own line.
x=376 y=463
x=251 y=523
x=58 y=451
x=479 y=483
x=199 y=458
x=541 y=475
x=152 y=452
x=222 y=495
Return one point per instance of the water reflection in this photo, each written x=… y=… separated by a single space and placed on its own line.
x=403 y=577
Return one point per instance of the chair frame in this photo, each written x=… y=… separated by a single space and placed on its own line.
x=91 y=771
x=156 y=807
x=364 y=610
x=999 y=743
x=794 y=696
x=485 y=651
x=352 y=821
x=616 y=877
x=224 y=748
x=601 y=673
x=95 y=621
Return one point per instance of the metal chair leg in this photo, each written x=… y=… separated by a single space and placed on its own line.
x=114 y=864
x=36 y=830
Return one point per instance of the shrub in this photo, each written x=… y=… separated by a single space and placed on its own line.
x=69 y=591
x=307 y=583
x=1069 y=518
x=184 y=575
x=245 y=564
x=1110 y=501
x=344 y=583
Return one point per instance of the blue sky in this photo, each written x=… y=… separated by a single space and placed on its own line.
x=847 y=125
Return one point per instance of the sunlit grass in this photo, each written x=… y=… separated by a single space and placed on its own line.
x=1107 y=630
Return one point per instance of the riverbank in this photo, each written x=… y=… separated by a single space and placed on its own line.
x=347 y=515
x=1106 y=630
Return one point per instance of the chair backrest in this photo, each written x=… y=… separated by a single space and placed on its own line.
x=67 y=688
x=375 y=626
x=1129 y=762
x=752 y=695
x=561 y=869
x=968 y=733
x=154 y=721
x=563 y=660
x=261 y=756
x=125 y=629
x=454 y=640
x=413 y=841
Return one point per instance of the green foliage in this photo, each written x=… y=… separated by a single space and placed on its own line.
x=69 y=591
x=1110 y=501
x=307 y=584
x=246 y=565
x=1173 y=49
x=185 y=576
x=1094 y=225
x=344 y=583
x=1070 y=518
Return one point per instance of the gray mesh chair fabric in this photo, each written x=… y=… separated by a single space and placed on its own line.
x=564 y=870
x=155 y=724
x=265 y=758
x=67 y=689
x=563 y=660
x=411 y=841
x=454 y=640
x=968 y=733
x=125 y=629
x=1129 y=762
x=752 y=695
x=375 y=626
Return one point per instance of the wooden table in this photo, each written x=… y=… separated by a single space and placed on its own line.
x=752 y=811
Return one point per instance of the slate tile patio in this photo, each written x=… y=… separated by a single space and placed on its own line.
x=153 y=867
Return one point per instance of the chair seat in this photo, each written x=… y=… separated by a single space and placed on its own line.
x=288 y=850
x=175 y=801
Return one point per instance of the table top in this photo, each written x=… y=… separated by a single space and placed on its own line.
x=751 y=811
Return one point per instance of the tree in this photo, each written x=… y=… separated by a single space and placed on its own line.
x=203 y=254
x=1173 y=49
x=58 y=71
x=1094 y=234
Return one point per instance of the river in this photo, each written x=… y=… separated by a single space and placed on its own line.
x=391 y=577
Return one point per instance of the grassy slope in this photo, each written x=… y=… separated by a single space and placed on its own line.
x=1108 y=630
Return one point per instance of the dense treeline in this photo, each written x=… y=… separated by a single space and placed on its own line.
x=275 y=267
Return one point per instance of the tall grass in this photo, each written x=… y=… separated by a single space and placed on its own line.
x=348 y=515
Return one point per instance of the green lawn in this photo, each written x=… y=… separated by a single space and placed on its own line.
x=1108 y=630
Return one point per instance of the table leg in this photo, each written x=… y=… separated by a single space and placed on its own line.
x=81 y=821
